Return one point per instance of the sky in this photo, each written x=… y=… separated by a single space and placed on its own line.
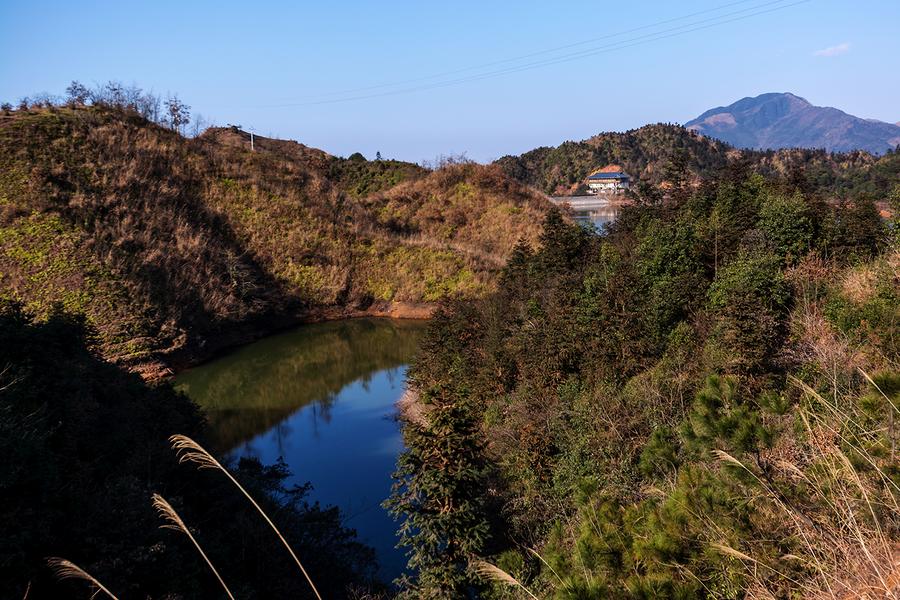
x=415 y=80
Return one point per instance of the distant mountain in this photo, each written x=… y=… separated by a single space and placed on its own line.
x=773 y=121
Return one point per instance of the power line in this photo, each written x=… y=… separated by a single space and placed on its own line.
x=635 y=41
x=529 y=55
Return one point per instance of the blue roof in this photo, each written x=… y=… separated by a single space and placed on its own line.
x=618 y=175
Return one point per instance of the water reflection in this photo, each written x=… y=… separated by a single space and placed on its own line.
x=322 y=398
x=597 y=218
x=256 y=387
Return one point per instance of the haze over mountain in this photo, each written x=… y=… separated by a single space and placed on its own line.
x=784 y=120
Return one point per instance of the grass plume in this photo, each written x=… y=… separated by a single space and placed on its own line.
x=65 y=569
x=495 y=573
x=190 y=451
x=175 y=523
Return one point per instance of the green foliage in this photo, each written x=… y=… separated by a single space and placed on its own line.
x=721 y=419
x=436 y=496
x=636 y=393
x=787 y=226
x=750 y=300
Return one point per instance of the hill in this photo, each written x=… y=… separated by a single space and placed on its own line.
x=774 y=120
x=174 y=247
x=643 y=152
x=647 y=153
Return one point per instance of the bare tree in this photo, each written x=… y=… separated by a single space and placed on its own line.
x=77 y=94
x=199 y=125
x=148 y=106
x=179 y=113
x=114 y=93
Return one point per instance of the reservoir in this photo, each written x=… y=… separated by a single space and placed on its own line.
x=596 y=210
x=321 y=397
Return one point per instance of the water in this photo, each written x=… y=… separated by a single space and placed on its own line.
x=322 y=398
x=596 y=211
x=598 y=218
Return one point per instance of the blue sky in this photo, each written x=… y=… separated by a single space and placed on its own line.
x=267 y=64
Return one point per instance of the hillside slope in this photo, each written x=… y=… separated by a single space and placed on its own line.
x=173 y=247
x=773 y=121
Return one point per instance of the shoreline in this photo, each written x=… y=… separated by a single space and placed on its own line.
x=166 y=366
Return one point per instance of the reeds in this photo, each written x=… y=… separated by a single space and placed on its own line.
x=190 y=451
x=495 y=573
x=175 y=523
x=844 y=532
x=65 y=569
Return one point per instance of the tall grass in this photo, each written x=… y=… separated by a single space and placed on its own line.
x=65 y=569
x=190 y=451
x=177 y=524
x=847 y=530
x=495 y=573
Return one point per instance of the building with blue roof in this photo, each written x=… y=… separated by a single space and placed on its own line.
x=611 y=179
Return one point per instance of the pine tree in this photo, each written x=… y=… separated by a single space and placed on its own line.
x=438 y=497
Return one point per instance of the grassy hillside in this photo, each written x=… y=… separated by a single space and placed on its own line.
x=645 y=153
x=171 y=245
x=701 y=404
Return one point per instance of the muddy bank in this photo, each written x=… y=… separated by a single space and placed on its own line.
x=200 y=349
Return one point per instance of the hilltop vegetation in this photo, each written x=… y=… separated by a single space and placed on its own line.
x=699 y=404
x=646 y=153
x=173 y=246
x=643 y=152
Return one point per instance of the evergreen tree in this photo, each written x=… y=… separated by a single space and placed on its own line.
x=440 y=479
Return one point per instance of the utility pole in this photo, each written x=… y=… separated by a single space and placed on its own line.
x=252 y=149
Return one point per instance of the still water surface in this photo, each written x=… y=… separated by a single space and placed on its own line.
x=598 y=218
x=322 y=398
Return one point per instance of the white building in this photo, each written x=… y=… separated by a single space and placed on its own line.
x=611 y=179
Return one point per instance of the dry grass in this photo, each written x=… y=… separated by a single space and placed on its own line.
x=495 y=573
x=190 y=451
x=175 y=523
x=847 y=528
x=165 y=243
x=860 y=284
x=65 y=569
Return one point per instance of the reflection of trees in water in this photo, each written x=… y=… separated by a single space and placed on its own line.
x=260 y=385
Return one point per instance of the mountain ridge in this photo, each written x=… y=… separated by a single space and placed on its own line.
x=778 y=120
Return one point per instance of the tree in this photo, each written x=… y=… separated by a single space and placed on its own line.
x=114 y=93
x=787 y=226
x=438 y=495
x=179 y=113
x=77 y=94
x=378 y=155
x=750 y=300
